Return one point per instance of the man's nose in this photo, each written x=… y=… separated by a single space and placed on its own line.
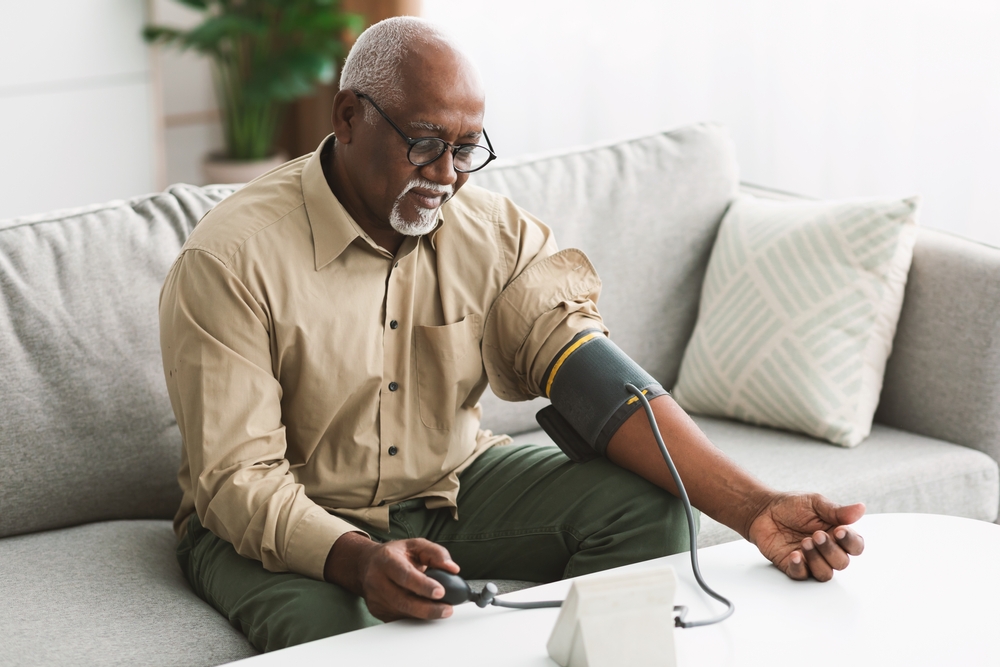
x=442 y=170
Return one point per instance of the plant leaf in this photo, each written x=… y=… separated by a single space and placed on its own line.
x=265 y=52
x=156 y=33
x=195 y=4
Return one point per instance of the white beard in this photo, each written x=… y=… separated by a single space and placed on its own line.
x=426 y=217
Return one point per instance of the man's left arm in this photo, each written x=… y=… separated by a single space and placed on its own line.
x=551 y=301
x=802 y=534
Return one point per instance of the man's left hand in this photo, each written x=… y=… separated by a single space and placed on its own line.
x=807 y=535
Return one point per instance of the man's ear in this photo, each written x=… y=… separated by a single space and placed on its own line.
x=346 y=112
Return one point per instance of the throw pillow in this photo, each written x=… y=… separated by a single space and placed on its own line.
x=797 y=314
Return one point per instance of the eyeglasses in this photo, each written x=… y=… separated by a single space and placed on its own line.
x=466 y=157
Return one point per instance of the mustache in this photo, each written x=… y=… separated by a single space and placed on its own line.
x=446 y=191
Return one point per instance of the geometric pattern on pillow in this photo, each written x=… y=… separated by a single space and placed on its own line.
x=797 y=315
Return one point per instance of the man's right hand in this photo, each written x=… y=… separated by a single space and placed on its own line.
x=390 y=577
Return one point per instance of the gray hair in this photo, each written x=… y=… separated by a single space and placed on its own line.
x=373 y=65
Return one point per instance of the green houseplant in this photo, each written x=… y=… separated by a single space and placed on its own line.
x=265 y=53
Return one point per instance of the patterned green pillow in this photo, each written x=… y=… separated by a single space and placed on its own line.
x=797 y=314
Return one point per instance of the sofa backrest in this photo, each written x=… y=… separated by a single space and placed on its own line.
x=646 y=212
x=86 y=431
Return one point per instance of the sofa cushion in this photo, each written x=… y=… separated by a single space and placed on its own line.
x=891 y=471
x=88 y=432
x=107 y=594
x=797 y=314
x=646 y=213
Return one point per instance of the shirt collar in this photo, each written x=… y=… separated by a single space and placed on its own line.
x=333 y=228
x=432 y=237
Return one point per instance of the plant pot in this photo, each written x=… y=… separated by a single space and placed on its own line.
x=217 y=169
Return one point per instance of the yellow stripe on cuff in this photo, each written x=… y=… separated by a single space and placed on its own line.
x=636 y=398
x=563 y=357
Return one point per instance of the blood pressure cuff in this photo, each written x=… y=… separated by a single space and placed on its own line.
x=586 y=383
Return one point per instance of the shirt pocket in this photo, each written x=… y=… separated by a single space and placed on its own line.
x=449 y=366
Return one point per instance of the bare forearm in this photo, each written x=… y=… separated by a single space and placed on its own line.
x=714 y=483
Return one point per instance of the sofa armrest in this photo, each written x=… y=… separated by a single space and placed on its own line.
x=943 y=378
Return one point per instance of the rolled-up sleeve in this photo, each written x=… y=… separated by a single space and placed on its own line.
x=216 y=347
x=551 y=297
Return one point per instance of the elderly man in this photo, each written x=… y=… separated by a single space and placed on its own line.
x=327 y=332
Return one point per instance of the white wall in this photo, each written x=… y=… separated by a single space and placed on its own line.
x=190 y=112
x=76 y=116
x=830 y=98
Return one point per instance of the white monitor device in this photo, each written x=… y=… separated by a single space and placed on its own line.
x=617 y=618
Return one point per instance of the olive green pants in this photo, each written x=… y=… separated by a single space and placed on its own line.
x=525 y=512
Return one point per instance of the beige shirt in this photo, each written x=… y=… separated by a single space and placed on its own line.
x=316 y=378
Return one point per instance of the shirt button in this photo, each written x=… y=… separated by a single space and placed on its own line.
x=393 y=450
x=394 y=324
x=393 y=386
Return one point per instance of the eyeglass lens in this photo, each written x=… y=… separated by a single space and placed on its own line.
x=467 y=158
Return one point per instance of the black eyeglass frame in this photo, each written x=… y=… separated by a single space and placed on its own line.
x=444 y=144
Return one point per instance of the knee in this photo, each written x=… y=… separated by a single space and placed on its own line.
x=274 y=610
x=300 y=611
x=674 y=524
x=647 y=525
x=658 y=524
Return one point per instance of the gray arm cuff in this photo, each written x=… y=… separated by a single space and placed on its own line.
x=588 y=389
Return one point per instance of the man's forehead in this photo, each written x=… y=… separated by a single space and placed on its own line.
x=435 y=127
x=442 y=91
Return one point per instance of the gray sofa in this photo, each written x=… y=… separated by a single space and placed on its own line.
x=89 y=447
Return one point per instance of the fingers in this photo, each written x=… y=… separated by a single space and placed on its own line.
x=821 y=555
x=833 y=514
x=826 y=552
x=397 y=603
x=847 y=514
x=401 y=603
x=830 y=556
x=407 y=569
x=395 y=585
x=429 y=554
x=830 y=550
x=819 y=568
x=795 y=566
x=849 y=540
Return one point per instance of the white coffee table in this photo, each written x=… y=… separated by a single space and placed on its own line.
x=925 y=592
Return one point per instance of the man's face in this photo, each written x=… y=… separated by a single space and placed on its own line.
x=442 y=98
